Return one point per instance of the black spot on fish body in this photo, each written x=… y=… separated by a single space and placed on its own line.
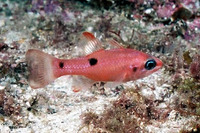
x=61 y=64
x=92 y=61
x=134 y=69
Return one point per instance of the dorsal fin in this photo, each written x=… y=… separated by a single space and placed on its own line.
x=92 y=43
x=88 y=44
x=88 y=35
x=115 y=43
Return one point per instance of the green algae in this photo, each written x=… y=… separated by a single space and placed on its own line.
x=187 y=58
x=189 y=84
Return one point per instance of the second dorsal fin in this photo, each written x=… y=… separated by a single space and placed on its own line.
x=87 y=44
x=115 y=44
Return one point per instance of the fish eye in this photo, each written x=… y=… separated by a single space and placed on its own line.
x=150 y=64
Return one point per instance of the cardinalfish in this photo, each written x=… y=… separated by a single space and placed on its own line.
x=116 y=65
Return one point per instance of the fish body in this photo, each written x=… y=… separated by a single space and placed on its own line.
x=116 y=65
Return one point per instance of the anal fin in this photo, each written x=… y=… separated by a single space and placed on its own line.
x=81 y=83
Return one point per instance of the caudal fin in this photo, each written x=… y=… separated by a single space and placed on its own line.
x=40 y=68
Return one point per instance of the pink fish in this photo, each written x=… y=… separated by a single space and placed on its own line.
x=116 y=65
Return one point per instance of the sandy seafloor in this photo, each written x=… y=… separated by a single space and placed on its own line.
x=167 y=101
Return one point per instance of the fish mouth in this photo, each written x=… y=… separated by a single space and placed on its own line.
x=159 y=63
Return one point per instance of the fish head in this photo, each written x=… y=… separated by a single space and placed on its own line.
x=146 y=65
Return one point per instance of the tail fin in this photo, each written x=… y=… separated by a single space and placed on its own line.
x=40 y=68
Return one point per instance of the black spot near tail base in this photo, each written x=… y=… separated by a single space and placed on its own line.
x=61 y=64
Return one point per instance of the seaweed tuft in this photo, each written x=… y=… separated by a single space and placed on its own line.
x=126 y=114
